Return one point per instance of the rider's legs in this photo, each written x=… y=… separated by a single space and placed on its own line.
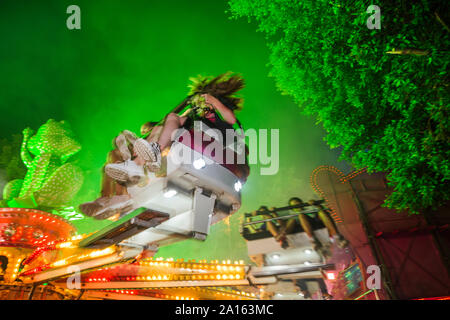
x=172 y=123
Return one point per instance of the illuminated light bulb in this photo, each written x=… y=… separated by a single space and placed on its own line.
x=59 y=263
x=231 y=277
x=103 y=252
x=331 y=276
x=170 y=193
x=237 y=186
x=238 y=276
x=199 y=163
x=65 y=245
x=218 y=277
x=225 y=277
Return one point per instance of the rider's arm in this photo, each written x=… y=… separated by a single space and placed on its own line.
x=186 y=113
x=226 y=113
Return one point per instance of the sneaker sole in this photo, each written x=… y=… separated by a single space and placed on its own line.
x=144 y=150
x=90 y=208
x=117 y=174
x=109 y=212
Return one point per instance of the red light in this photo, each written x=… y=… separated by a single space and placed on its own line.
x=331 y=276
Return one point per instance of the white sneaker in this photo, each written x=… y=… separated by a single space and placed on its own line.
x=106 y=207
x=117 y=208
x=122 y=145
x=125 y=171
x=149 y=152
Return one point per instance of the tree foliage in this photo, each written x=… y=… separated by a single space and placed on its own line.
x=388 y=112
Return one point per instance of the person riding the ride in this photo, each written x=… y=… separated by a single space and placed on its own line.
x=212 y=100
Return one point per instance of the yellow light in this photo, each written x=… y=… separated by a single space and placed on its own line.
x=65 y=245
x=238 y=276
x=231 y=277
x=59 y=263
x=225 y=277
x=218 y=277
x=103 y=252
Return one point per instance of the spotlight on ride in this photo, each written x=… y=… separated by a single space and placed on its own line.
x=169 y=193
x=199 y=163
x=237 y=186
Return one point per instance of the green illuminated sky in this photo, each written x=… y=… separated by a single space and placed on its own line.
x=130 y=63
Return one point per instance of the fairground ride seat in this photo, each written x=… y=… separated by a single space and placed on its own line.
x=202 y=186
